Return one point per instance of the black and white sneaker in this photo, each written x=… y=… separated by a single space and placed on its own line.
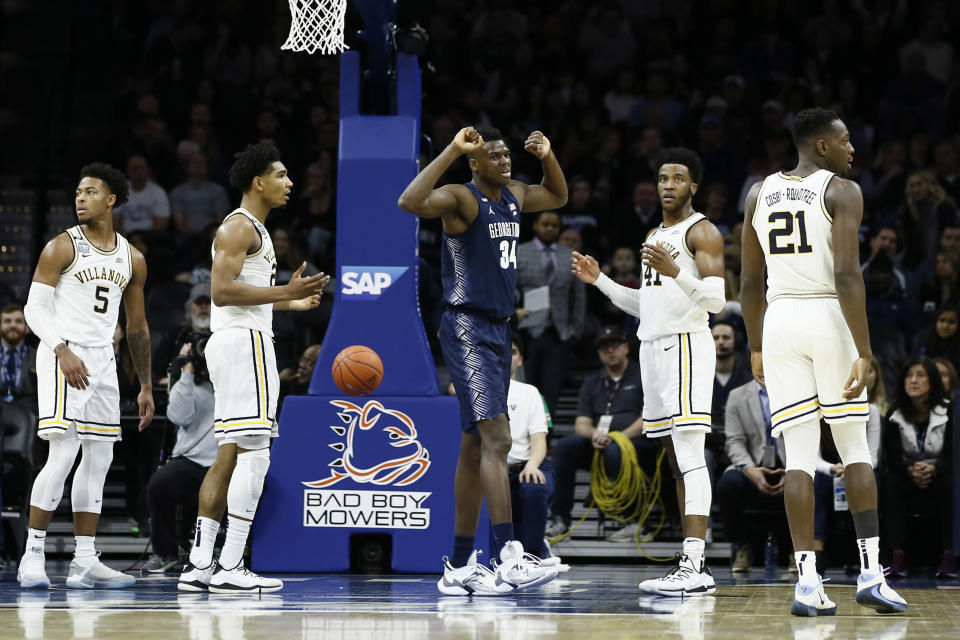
x=684 y=580
x=240 y=580
x=194 y=578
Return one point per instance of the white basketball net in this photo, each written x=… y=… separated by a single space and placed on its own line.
x=316 y=25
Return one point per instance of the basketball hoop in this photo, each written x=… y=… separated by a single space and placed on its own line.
x=316 y=25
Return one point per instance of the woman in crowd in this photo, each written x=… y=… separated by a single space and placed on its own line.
x=917 y=456
x=941 y=339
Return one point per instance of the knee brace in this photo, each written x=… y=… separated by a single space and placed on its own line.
x=246 y=483
x=87 y=494
x=48 y=487
x=851 y=441
x=688 y=446
x=802 y=443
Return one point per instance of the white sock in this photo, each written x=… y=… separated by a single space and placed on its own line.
x=84 y=552
x=693 y=549
x=232 y=553
x=202 y=553
x=36 y=538
x=869 y=554
x=807 y=566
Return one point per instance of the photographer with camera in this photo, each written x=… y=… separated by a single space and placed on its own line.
x=178 y=481
x=196 y=320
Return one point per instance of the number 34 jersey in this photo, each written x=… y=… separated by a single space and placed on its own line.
x=86 y=302
x=664 y=308
x=796 y=234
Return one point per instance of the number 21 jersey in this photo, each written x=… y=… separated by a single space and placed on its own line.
x=796 y=234
x=86 y=302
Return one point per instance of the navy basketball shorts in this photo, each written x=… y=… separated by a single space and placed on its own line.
x=477 y=352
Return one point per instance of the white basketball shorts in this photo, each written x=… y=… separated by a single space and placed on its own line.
x=243 y=370
x=677 y=373
x=807 y=355
x=95 y=410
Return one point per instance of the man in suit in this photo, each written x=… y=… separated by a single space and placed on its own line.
x=18 y=360
x=756 y=474
x=550 y=333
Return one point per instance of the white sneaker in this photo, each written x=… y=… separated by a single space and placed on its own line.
x=684 y=580
x=874 y=592
x=240 y=579
x=97 y=576
x=471 y=579
x=32 y=572
x=811 y=601
x=523 y=570
x=194 y=578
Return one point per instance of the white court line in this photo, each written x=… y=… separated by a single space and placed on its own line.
x=397 y=580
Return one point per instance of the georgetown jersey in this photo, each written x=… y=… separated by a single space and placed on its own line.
x=260 y=270
x=86 y=302
x=665 y=308
x=479 y=266
x=795 y=231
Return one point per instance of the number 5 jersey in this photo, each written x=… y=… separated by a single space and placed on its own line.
x=87 y=299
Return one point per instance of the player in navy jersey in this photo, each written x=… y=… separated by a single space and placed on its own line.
x=481 y=227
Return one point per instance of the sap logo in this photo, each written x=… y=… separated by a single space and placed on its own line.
x=367 y=283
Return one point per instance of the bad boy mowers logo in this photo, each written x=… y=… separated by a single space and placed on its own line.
x=378 y=445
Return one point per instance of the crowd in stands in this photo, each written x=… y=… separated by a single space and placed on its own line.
x=611 y=84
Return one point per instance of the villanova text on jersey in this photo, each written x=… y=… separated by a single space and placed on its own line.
x=101 y=273
x=479 y=266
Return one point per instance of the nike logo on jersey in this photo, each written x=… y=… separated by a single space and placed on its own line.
x=491 y=210
x=670 y=347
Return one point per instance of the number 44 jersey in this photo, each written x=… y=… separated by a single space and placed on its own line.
x=86 y=302
x=796 y=234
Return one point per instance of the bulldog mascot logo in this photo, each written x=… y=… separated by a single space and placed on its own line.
x=379 y=447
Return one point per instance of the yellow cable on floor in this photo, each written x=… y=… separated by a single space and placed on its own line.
x=630 y=496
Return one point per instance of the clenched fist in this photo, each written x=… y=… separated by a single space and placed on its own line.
x=467 y=140
x=537 y=144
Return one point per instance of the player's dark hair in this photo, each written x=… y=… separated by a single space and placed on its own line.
x=253 y=161
x=111 y=176
x=934 y=397
x=810 y=123
x=684 y=156
x=489 y=134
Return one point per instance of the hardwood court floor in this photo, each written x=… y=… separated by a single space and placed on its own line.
x=591 y=601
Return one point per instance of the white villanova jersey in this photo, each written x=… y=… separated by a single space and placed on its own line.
x=86 y=301
x=260 y=270
x=665 y=308
x=796 y=234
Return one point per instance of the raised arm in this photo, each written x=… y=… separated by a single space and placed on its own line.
x=845 y=203
x=138 y=335
x=420 y=197
x=235 y=238
x=752 y=262
x=551 y=193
